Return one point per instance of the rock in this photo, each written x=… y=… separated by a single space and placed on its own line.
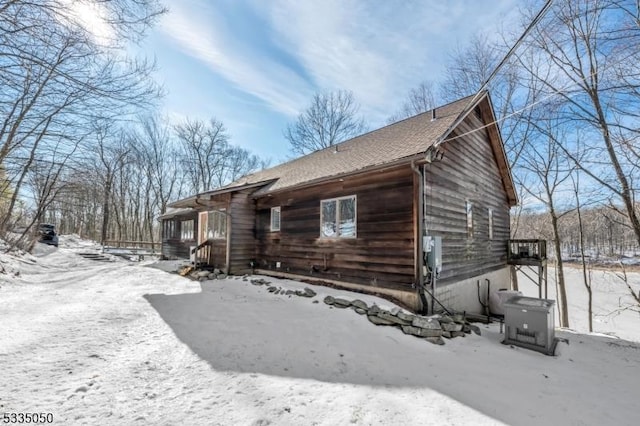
x=466 y=329
x=388 y=316
x=446 y=334
x=405 y=317
x=359 y=310
x=201 y=274
x=257 y=282
x=474 y=328
x=341 y=303
x=421 y=332
x=315 y=301
x=290 y=292
x=307 y=292
x=379 y=321
x=435 y=340
x=373 y=310
x=222 y=276
x=271 y=289
x=451 y=326
x=329 y=300
x=458 y=334
x=213 y=276
x=445 y=319
x=426 y=323
x=359 y=304
x=458 y=318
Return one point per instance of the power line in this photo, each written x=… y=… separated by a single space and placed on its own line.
x=471 y=103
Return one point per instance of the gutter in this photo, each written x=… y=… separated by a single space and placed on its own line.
x=420 y=257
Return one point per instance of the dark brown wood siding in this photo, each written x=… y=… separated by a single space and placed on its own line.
x=173 y=247
x=243 y=241
x=382 y=254
x=468 y=172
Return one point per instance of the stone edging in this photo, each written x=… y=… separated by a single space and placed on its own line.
x=432 y=328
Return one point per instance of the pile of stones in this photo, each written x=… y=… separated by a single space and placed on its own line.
x=307 y=292
x=432 y=328
x=216 y=274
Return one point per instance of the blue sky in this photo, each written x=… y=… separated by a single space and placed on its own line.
x=255 y=64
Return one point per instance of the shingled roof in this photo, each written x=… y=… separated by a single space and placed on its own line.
x=405 y=138
x=399 y=141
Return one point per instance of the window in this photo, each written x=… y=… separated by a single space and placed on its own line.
x=169 y=229
x=186 y=229
x=469 y=207
x=338 y=217
x=275 y=219
x=216 y=226
x=491 y=224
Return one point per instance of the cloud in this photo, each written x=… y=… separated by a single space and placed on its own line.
x=378 y=50
x=202 y=36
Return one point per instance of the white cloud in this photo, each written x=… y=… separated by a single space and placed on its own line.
x=379 y=50
x=376 y=49
x=201 y=36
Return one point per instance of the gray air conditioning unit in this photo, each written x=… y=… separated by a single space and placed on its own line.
x=530 y=323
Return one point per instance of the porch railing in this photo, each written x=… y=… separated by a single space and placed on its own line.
x=527 y=250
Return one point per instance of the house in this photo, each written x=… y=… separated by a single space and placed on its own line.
x=363 y=214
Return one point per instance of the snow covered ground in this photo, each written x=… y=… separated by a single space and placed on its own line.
x=124 y=343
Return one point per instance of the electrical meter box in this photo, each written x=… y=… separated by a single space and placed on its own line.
x=432 y=248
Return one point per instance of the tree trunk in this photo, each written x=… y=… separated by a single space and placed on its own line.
x=562 y=296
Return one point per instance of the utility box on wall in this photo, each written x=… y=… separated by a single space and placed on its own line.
x=530 y=323
x=432 y=248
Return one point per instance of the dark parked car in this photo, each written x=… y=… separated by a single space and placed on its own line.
x=47 y=234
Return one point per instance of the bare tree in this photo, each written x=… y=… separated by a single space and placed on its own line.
x=544 y=159
x=57 y=78
x=330 y=118
x=159 y=158
x=419 y=99
x=592 y=50
x=586 y=272
x=203 y=149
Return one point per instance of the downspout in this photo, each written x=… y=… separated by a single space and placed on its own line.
x=229 y=229
x=420 y=258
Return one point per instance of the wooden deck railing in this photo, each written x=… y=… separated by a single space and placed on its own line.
x=153 y=246
x=527 y=250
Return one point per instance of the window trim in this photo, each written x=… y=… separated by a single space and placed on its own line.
x=469 y=215
x=272 y=228
x=490 y=213
x=337 y=217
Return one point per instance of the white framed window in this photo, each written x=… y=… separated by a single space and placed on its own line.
x=216 y=224
x=491 y=224
x=469 y=209
x=338 y=218
x=186 y=229
x=275 y=219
